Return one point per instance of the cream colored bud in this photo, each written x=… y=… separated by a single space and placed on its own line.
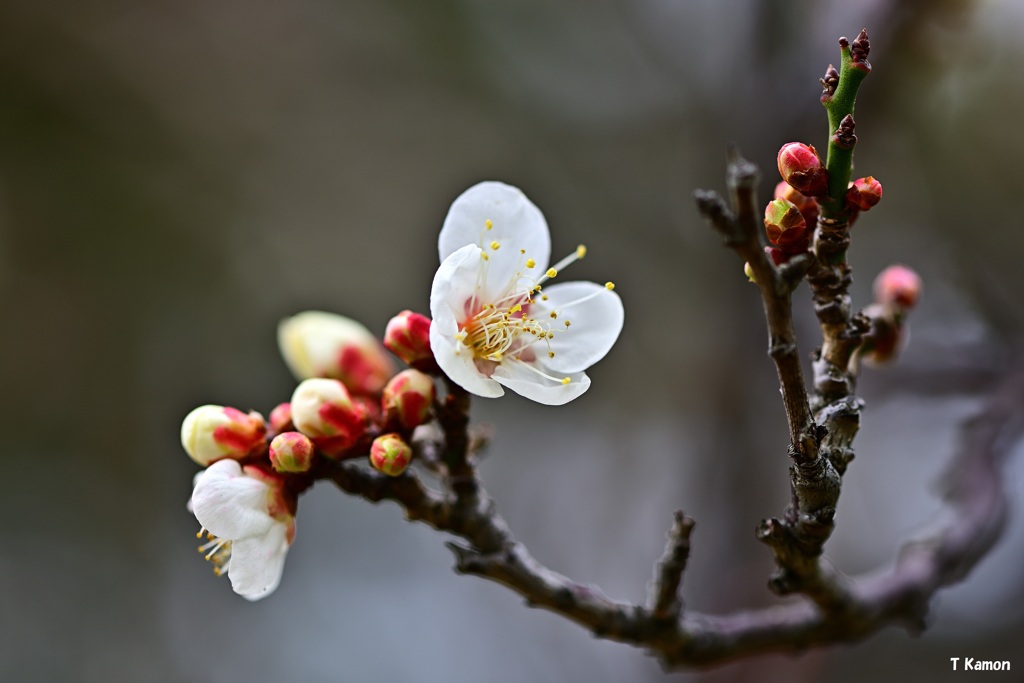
x=210 y=433
x=318 y=344
x=323 y=410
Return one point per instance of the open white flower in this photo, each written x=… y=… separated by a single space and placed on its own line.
x=248 y=524
x=495 y=321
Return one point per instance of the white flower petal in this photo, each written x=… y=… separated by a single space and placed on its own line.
x=451 y=291
x=454 y=288
x=257 y=563
x=529 y=384
x=596 y=315
x=516 y=224
x=229 y=504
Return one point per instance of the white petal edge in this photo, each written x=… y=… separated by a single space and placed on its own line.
x=229 y=504
x=517 y=225
x=452 y=287
x=529 y=384
x=596 y=324
x=257 y=563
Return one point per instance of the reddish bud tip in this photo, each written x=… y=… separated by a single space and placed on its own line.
x=864 y=193
x=828 y=83
x=408 y=337
x=859 y=50
x=801 y=167
x=291 y=452
x=844 y=136
x=898 y=286
x=390 y=455
x=778 y=256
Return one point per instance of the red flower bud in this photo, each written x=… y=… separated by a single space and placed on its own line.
x=801 y=167
x=864 y=193
x=408 y=398
x=408 y=337
x=898 y=286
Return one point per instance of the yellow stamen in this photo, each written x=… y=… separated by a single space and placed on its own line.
x=581 y=251
x=609 y=286
x=566 y=380
x=495 y=245
x=488 y=224
x=553 y=315
x=530 y=263
x=551 y=272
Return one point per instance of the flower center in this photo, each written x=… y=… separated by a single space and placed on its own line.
x=217 y=551
x=503 y=330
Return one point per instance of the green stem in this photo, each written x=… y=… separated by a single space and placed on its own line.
x=839 y=161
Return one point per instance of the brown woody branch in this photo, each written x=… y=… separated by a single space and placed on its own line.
x=797 y=539
x=689 y=639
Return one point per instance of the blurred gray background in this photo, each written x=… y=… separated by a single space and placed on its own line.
x=175 y=177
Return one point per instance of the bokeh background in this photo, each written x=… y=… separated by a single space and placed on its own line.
x=175 y=177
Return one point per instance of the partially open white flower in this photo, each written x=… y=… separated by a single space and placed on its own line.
x=248 y=523
x=495 y=321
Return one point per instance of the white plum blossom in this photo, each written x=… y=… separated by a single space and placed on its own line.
x=248 y=524
x=496 y=322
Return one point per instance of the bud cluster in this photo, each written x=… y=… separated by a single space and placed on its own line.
x=349 y=403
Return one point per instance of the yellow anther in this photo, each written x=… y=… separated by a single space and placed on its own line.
x=551 y=354
x=581 y=251
x=485 y=256
x=609 y=286
x=566 y=380
x=543 y=297
x=567 y=323
x=551 y=272
x=522 y=251
x=495 y=245
x=516 y=308
x=530 y=263
x=553 y=315
x=488 y=224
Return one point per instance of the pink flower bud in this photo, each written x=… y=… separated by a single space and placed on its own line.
x=785 y=225
x=210 y=433
x=808 y=206
x=390 y=454
x=317 y=344
x=408 y=337
x=323 y=410
x=801 y=167
x=864 y=193
x=898 y=286
x=291 y=452
x=281 y=418
x=408 y=398
x=887 y=337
